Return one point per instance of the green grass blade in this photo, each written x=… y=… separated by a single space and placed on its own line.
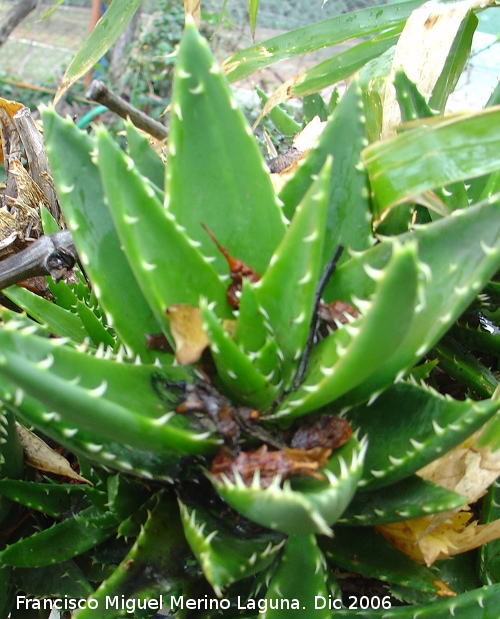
x=102 y=37
x=433 y=155
x=322 y=34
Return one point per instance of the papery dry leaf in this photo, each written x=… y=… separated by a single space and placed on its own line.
x=458 y=534
x=40 y=456
x=187 y=330
x=431 y=29
x=193 y=8
x=467 y=469
x=11 y=107
x=302 y=142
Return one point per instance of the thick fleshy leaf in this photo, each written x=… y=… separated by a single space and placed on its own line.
x=298 y=588
x=364 y=551
x=472 y=238
x=152 y=568
x=348 y=220
x=347 y=357
x=413 y=497
x=224 y=555
x=71 y=537
x=235 y=369
x=216 y=174
x=167 y=263
x=287 y=289
x=118 y=400
x=434 y=425
x=302 y=505
x=82 y=200
x=476 y=604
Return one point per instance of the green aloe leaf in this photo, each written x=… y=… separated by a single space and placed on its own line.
x=217 y=175
x=226 y=557
x=118 y=400
x=322 y=34
x=302 y=505
x=366 y=552
x=412 y=497
x=350 y=355
x=62 y=541
x=167 y=264
x=298 y=587
x=56 y=318
x=58 y=580
x=476 y=604
x=11 y=455
x=147 y=161
x=433 y=155
x=102 y=37
x=489 y=554
x=235 y=369
x=47 y=498
x=435 y=425
x=151 y=570
x=472 y=238
x=348 y=220
x=82 y=200
x=286 y=292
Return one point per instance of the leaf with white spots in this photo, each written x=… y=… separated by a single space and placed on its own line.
x=82 y=201
x=348 y=219
x=167 y=263
x=457 y=256
x=122 y=402
x=352 y=353
x=235 y=368
x=224 y=554
x=71 y=537
x=216 y=174
x=402 y=441
x=304 y=584
x=286 y=292
x=299 y=504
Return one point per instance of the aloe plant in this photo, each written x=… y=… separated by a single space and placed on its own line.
x=205 y=493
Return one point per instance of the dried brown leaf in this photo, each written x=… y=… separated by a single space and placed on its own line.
x=42 y=457
x=187 y=330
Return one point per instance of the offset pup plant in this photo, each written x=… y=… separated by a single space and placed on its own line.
x=257 y=416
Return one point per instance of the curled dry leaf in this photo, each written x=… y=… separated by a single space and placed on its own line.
x=326 y=431
x=40 y=456
x=11 y=108
x=187 y=330
x=270 y=464
x=468 y=469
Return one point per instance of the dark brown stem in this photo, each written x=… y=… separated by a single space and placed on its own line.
x=52 y=254
x=100 y=93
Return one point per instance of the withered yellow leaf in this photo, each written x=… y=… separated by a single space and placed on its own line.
x=458 y=534
x=42 y=457
x=11 y=107
x=187 y=330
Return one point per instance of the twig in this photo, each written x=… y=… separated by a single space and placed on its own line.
x=100 y=93
x=320 y=288
x=52 y=254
